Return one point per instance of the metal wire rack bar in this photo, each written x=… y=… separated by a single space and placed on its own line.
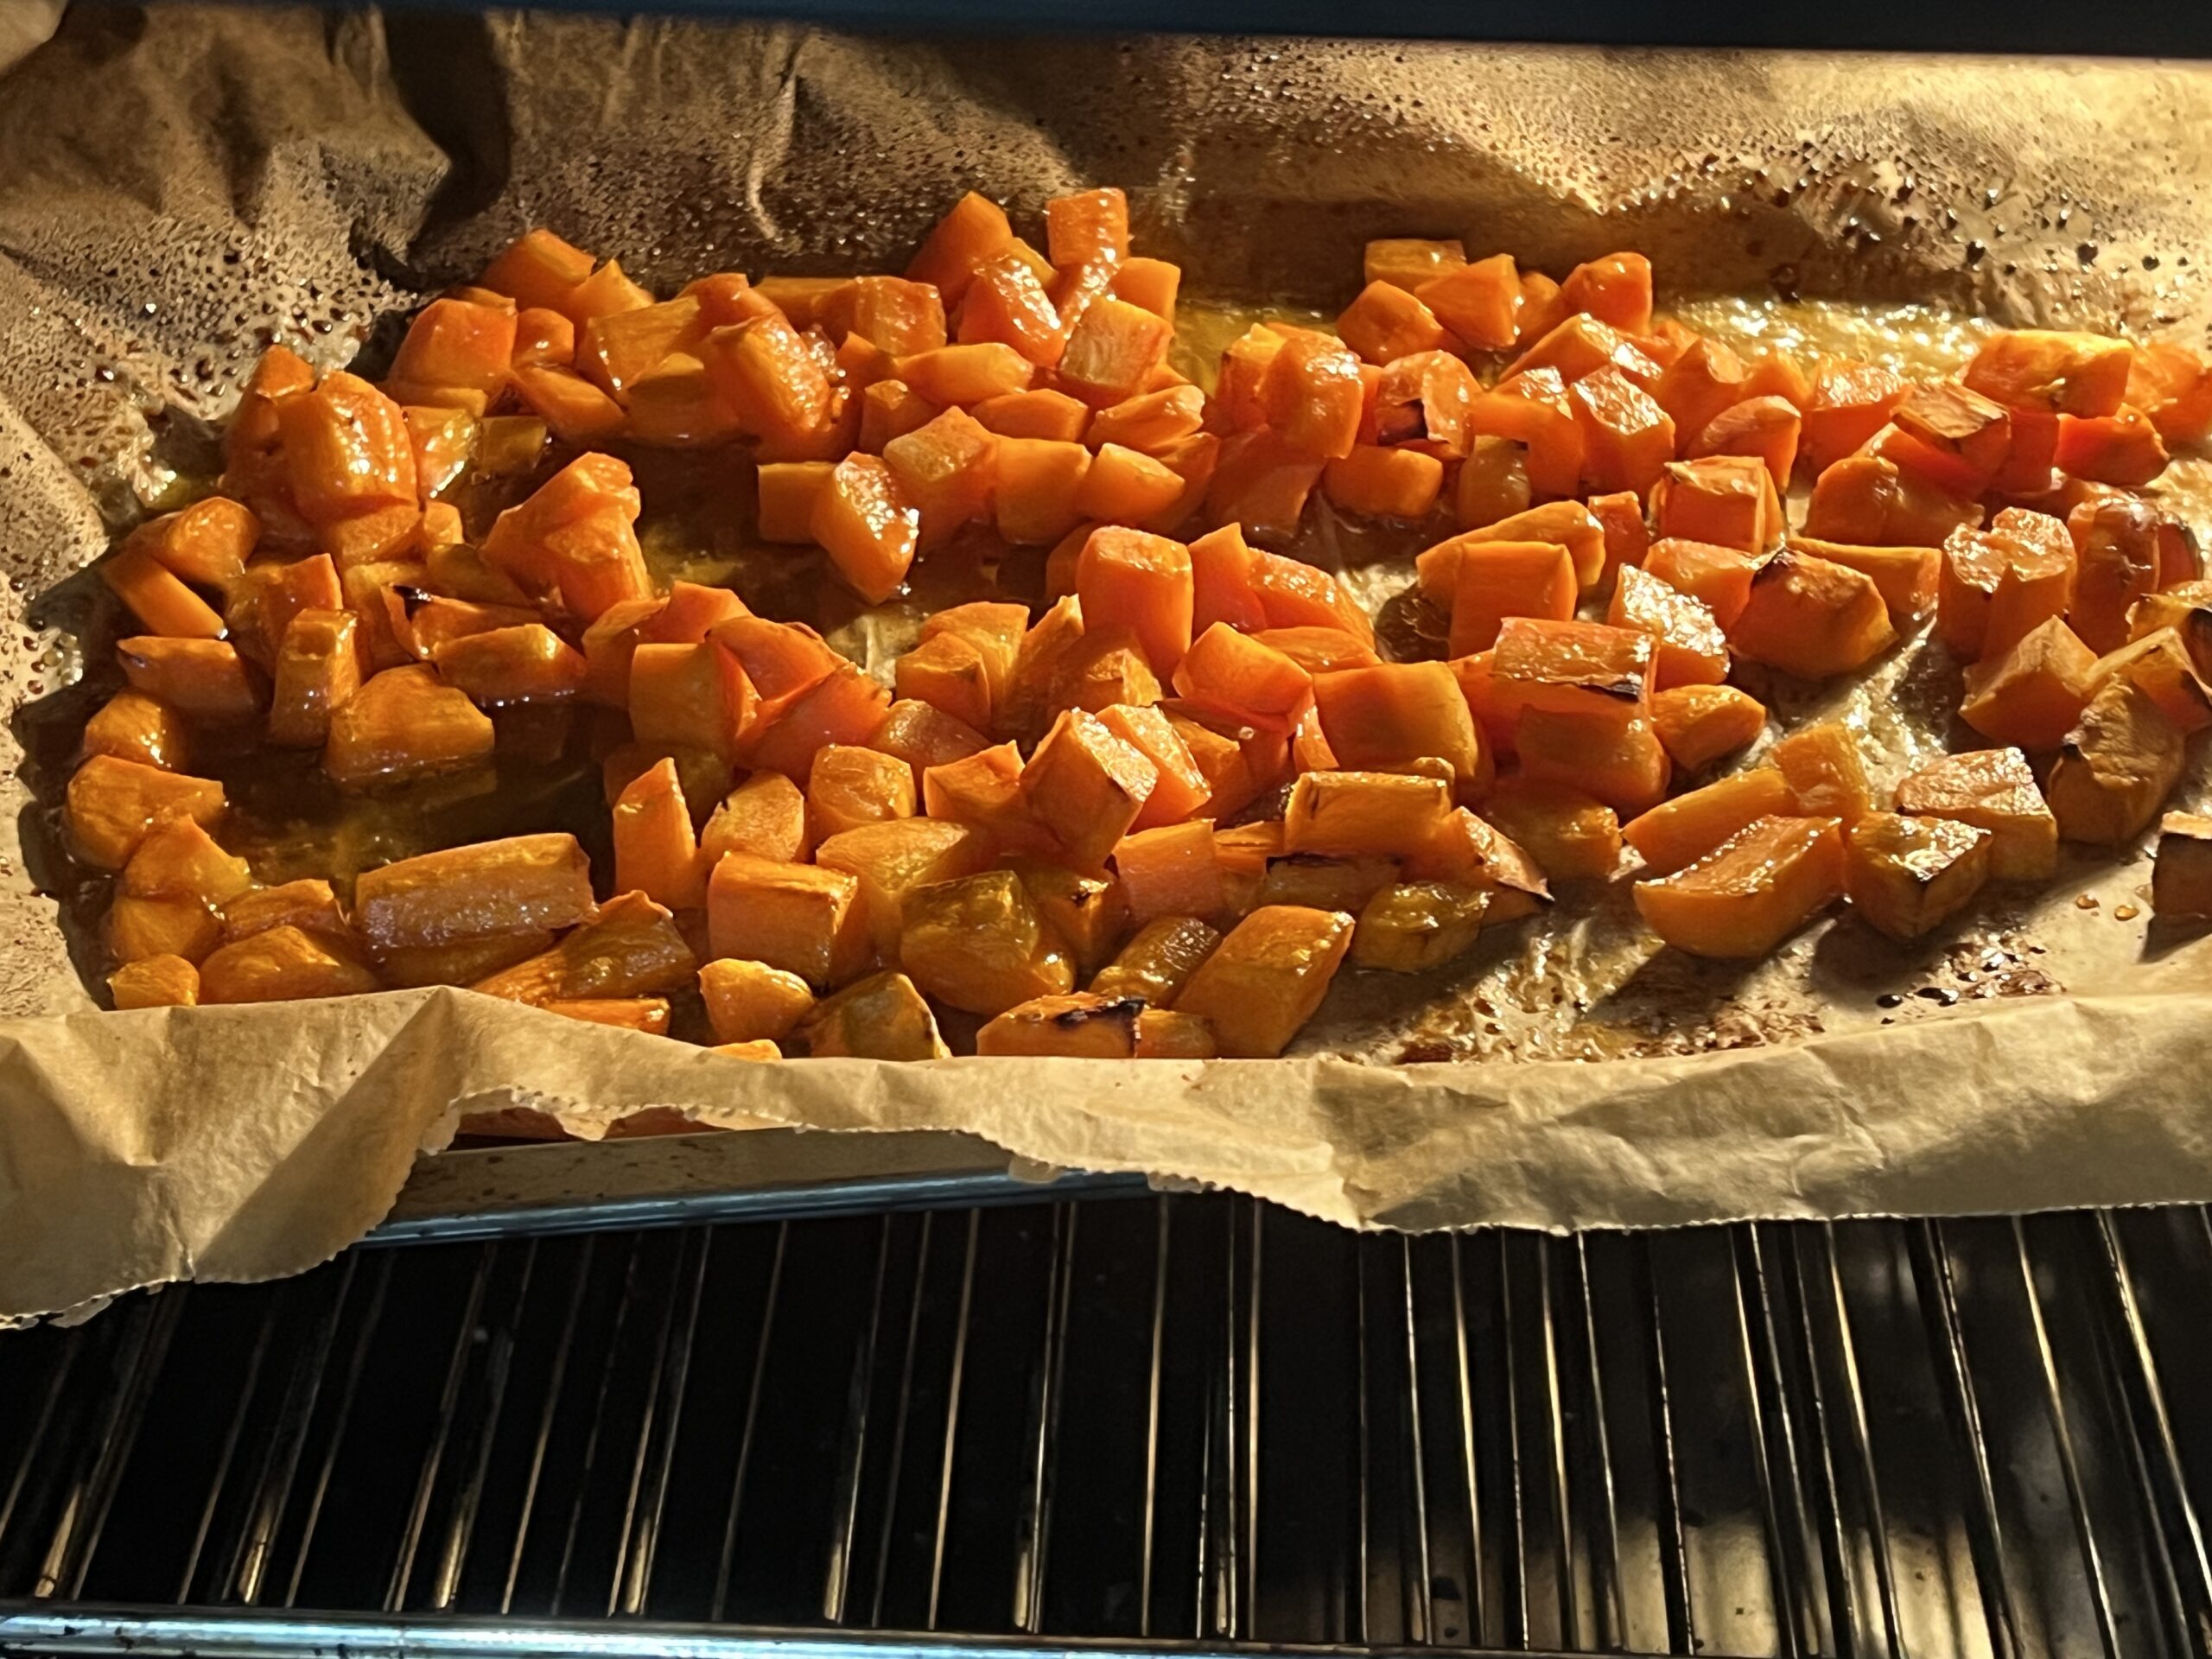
x=1144 y=1424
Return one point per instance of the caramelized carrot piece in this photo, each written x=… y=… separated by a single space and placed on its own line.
x=765 y=815
x=1385 y=323
x=2032 y=693
x=529 y=662
x=318 y=667
x=2063 y=373
x=1169 y=871
x=1086 y=787
x=1706 y=378
x=1038 y=413
x=848 y=785
x=1260 y=483
x=1143 y=583
x=454 y=348
x=490 y=889
x=1721 y=576
x=1313 y=394
x=1087 y=226
x=1765 y=428
x=1266 y=979
x=1866 y=501
x=1478 y=303
x=1233 y=674
x=1151 y=283
x=2173 y=387
x=974 y=231
x=537 y=268
x=752 y=1003
x=1676 y=834
x=2123 y=447
x=864 y=521
x=1615 y=289
x=133 y=725
x=1905 y=576
x=403 y=723
x=801 y=918
x=1423 y=398
x=1295 y=595
x=346 y=449
x=1698 y=724
x=205 y=680
x=1534 y=409
x=1811 y=618
x=1379 y=483
x=656 y=850
x=1850 y=403
x=1692 y=651
x=207 y=543
x=1410 y=260
x=1496 y=580
x=690 y=697
x=1006 y=303
x=1627 y=438
x=844 y=706
x=544 y=339
x=1124 y=487
x=577 y=535
x=1750 y=894
x=162 y=982
x=162 y=604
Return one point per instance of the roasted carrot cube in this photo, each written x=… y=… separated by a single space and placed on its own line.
x=788 y=491
x=1622 y=765
x=207 y=542
x=1493 y=483
x=2162 y=667
x=1158 y=961
x=650 y=1014
x=764 y=817
x=1222 y=564
x=575 y=534
x=797 y=917
x=2030 y=465
x=1810 y=618
x=844 y=706
x=1866 y=500
x=1573 y=836
x=2172 y=386
x=543 y=338
x=1088 y=914
x=137 y=927
x=1569 y=523
x=1676 y=834
x=1123 y=486
x=1534 y=411
x=966 y=374
x=978 y=944
x=2187 y=608
x=537 y=268
x=1692 y=651
x=1698 y=724
x=283 y=964
x=2041 y=368
x=1412 y=927
x=943 y=470
x=1850 y=403
x=1386 y=717
x=849 y=786
x=1235 y=675
x=883 y=1017
x=1409 y=261
x=1105 y=667
x=1719 y=576
x=864 y=520
x=1763 y=429
x=1384 y=483
x=1237 y=405
x=1385 y=323
x=134 y=725
x=1993 y=790
x=178 y=859
x=1775 y=373
x=2181 y=877
x=1267 y=977
x=1151 y=283
x=1087 y=786
x=1616 y=289
x=577 y=411
x=890 y=859
x=750 y=1001
x=528 y=663
x=1127 y=579
x=1471 y=852
x=1313 y=395
x=490 y=890
x=891 y=409
x=1706 y=379
x=1112 y=351
x=454 y=346
x=1352 y=813
x=1041 y=663
x=1039 y=484
x=310 y=903
x=767 y=377
x=1996 y=585
x=1906 y=578
x=160 y=602
x=405 y=723
x=1423 y=398
x=1181 y=786
x=1150 y=421
x=974 y=231
x=1498 y=579
x=1082 y=1024
x=2032 y=693
x=948 y=673
x=154 y=982
x=346 y=449
x=2116 y=768
x=1590 y=669
x=2120 y=560
x=1007 y=304
x=1750 y=894
x=1480 y=302
x=1086 y=226
x=318 y=667
x=984 y=791
x=630 y=947
x=2123 y=447
x=205 y=680
x=1724 y=501
x=656 y=849
x=1170 y=871
x=509 y=446
x=444 y=441
x=303 y=585
x=1040 y=414
x=690 y=697
x=892 y=312
x=1906 y=876
x=1320 y=651
x=1295 y=595
x=1627 y=439
x=1971 y=433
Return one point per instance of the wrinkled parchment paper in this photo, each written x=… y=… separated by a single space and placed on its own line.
x=178 y=186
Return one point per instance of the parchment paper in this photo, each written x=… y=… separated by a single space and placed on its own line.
x=176 y=187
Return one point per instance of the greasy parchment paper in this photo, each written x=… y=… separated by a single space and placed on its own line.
x=176 y=187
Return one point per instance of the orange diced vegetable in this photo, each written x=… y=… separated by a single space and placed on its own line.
x=1625 y=767
x=1811 y=618
x=1313 y=395
x=799 y=917
x=1424 y=398
x=1267 y=977
x=1080 y=1025
x=848 y=786
x=207 y=542
x=1144 y=583
x=283 y=964
x=1534 y=409
x=317 y=668
x=1764 y=429
x=1230 y=673
x=1086 y=226
x=978 y=944
x=1112 y=351
x=1384 y=483
x=1908 y=875
x=514 y=665
x=1040 y=414
x=1493 y=483
x=1261 y=483
x=405 y=723
x=133 y=726
x=1996 y=584
x=492 y=888
x=942 y=470
x=863 y=519
x=1169 y=871
x=1706 y=378
x=1571 y=836
x=1039 y=483
x=205 y=680
x=2120 y=560
x=454 y=347
x=1850 y=403
x=1698 y=724
x=1387 y=716
x=1677 y=833
x=1866 y=500
x=1385 y=323
x=1616 y=289
x=2162 y=667
x=2123 y=447
x=1728 y=500
x=2032 y=693
x=974 y=231
x=1906 y=578
x=2116 y=768
x=1692 y=651
x=1627 y=438
x=689 y=697
x=1591 y=669
x=158 y=598
x=537 y=268
x=1480 y=302
x=1752 y=893
x=1720 y=575
x=346 y=449
x=1409 y=261
x=764 y=817
x=1006 y=303
x=892 y=857
x=1993 y=790
x=1124 y=487
x=1498 y=579
x=844 y=706
x=1086 y=787
x=154 y=982
x=2172 y=386
x=656 y=849
x=1181 y=787
x=2181 y=878
x=2041 y=368
x=1347 y=814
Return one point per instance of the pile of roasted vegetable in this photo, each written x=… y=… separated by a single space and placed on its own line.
x=1155 y=818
